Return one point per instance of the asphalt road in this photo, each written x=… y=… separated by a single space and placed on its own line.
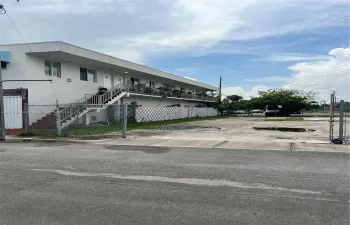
x=44 y=183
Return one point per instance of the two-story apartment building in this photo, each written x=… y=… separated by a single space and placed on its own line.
x=76 y=71
x=77 y=74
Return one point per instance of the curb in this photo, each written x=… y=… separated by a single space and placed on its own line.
x=28 y=140
x=263 y=146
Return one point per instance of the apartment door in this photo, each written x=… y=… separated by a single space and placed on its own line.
x=107 y=82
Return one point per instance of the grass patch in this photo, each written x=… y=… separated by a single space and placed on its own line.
x=284 y=119
x=103 y=129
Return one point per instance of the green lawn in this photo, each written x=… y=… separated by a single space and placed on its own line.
x=284 y=119
x=103 y=129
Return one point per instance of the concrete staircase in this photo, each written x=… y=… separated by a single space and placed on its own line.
x=80 y=110
x=75 y=111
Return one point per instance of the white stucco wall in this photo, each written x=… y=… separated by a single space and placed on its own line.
x=29 y=67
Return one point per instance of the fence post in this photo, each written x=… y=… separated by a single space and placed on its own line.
x=341 y=120
x=26 y=119
x=76 y=116
x=58 y=120
x=331 y=105
x=125 y=120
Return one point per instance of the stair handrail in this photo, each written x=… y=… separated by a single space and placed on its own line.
x=72 y=108
x=111 y=93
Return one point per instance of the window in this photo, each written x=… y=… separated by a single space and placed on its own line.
x=134 y=80
x=152 y=84
x=88 y=75
x=183 y=89
x=53 y=68
x=3 y=65
x=92 y=75
x=48 y=68
x=83 y=74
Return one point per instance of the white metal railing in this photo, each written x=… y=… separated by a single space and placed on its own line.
x=89 y=101
x=162 y=91
x=104 y=98
x=96 y=100
x=72 y=109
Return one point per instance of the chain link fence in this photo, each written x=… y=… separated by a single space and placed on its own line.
x=85 y=119
x=159 y=113
x=72 y=120
x=339 y=130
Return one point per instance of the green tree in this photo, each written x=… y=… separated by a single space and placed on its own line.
x=234 y=98
x=290 y=100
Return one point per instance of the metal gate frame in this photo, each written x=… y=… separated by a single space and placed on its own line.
x=339 y=129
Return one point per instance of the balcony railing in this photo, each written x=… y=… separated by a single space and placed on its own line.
x=164 y=92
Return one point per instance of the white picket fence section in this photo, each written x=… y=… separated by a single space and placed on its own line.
x=158 y=113
x=13 y=112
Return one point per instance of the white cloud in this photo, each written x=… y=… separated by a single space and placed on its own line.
x=162 y=26
x=127 y=55
x=190 y=78
x=241 y=92
x=268 y=79
x=198 y=26
x=187 y=70
x=68 y=7
x=294 y=57
x=324 y=76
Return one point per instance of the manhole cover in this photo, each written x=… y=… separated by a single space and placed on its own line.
x=285 y=129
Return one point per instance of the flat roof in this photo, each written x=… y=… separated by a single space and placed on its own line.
x=59 y=46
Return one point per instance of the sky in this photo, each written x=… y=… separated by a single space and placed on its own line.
x=254 y=45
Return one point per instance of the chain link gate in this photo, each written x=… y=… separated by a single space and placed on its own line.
x=339 y=127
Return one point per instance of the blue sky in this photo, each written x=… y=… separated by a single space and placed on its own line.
x=253 y=44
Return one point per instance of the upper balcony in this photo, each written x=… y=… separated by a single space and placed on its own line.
x=167 y=92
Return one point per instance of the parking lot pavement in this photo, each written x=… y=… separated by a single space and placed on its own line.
x=241 y=129
x=64 y=183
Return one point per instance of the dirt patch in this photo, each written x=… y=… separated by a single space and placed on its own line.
x=147 y=133
x=185 y=127
x=47 y=143
x=285 y=129
x=145 y=149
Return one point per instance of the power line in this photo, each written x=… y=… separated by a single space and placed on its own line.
x=19 y=33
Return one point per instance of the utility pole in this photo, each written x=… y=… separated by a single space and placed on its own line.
x=2 y=110
x=220 y=84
